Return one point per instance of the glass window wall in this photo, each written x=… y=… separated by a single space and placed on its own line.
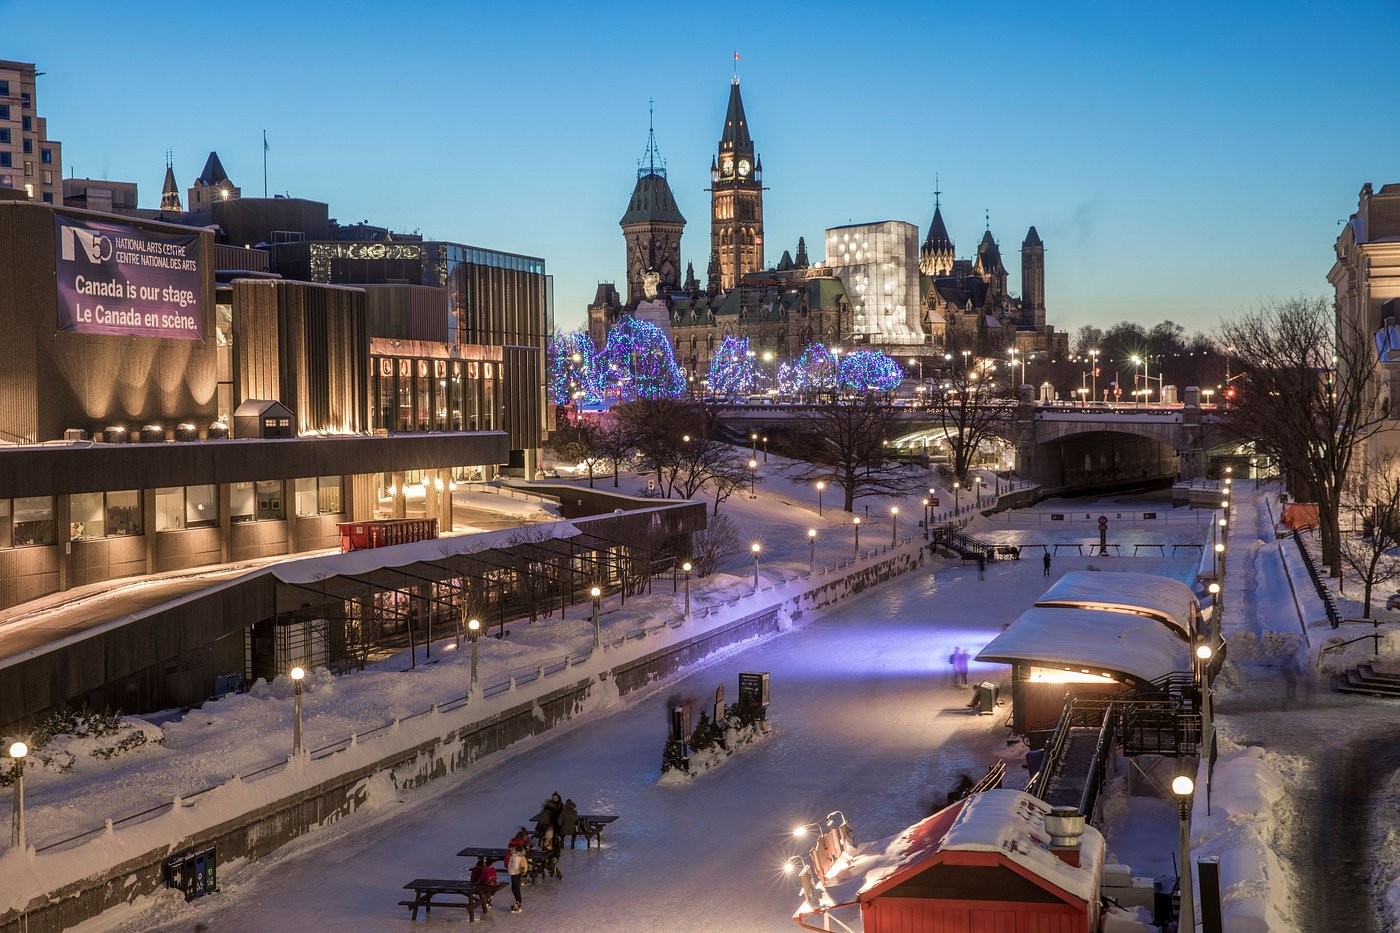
x=317 y=495
x=32 y=521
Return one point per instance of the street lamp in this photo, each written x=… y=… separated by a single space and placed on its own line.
x=753 y=478
x=297 y=675
x=765 y=448
x=957 y=497
x=473 y=632
x=1219 y=558
x=812 y=544
x=1094 y=366
x=979 y=482
x=755 y=548
x=927 y=517
x=17 y=752
x=597 y=594
x=1183 y=786
x=894 y=525
x=754 y=437
x=821 y=484
x=856 y=521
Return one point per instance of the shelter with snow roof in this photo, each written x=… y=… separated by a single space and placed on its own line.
x=1169 y=601
x=987 y=862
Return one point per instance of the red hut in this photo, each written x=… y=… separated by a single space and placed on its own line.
x=985 y=863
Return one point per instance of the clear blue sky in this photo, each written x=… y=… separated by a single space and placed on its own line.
x=1180 y=161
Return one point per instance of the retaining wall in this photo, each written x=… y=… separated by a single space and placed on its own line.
x=355 y=775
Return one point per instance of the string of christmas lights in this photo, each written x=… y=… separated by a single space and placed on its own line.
x=734 y=369
x=869 y=371
x=574 y=370
x=637 y=362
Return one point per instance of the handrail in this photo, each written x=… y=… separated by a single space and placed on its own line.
x=1328 y=604
x=1375 y=648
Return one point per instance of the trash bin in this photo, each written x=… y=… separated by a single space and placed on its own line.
x=193 y=874
x=985 y=698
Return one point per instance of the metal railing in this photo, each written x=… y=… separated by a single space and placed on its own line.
x=1323 y=593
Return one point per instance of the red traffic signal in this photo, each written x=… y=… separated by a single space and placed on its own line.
x=1230 y=393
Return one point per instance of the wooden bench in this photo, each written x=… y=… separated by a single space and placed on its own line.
x=590 y=826
x=474 y=895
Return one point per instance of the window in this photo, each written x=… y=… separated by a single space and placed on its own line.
x=257 y=502
x=6 y=159
x=186 y=507
x=29 y=147
x=318 y=495
x=28 y=168
x=48 y=197
x=25 y=100
x=4 y=109
x=45 y=156
x=46 y=176
x=4 y=89
x=27 y=125
x=33 y=521
x=104 y=515
x=4 y=136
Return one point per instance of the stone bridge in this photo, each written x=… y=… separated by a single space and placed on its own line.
x=1060 y=447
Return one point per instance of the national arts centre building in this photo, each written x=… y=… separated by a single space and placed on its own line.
x=167 y=403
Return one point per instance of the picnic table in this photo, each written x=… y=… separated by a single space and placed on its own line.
x=474 y=895
x=589 y=826
x=538 y=858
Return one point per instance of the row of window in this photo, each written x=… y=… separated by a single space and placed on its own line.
x=25 y=99
x=26 y=123
x=28 y=522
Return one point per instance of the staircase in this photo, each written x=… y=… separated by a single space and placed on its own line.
x=1366 y=680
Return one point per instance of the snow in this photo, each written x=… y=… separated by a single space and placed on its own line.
x=864 y=719
x=1166 y=600
x=1113 y=644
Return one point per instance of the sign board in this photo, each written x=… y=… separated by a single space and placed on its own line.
x=1103 y=521
x=680 y=723
x=719 y=703
x=753 y=689
x=933 y=502
x=120 y=279
x=1149 y=516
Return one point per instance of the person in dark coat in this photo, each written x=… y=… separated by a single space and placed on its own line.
x=549 y=815
x=1046 y=561
x=568 y=822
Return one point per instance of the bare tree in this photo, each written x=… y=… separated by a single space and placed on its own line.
x=577 y=443
x=974 y=406
x=1310 y=399
x=611 y=443
x=845 y=445
x=718 y=541
x=1376 y=499
x=659 y=430
x=729 y=474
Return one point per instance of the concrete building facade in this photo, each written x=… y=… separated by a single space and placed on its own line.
x=29 y=160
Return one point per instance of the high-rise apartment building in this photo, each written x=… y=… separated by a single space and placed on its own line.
x=29 y=160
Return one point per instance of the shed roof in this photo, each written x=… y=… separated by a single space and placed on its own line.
x=1162 y=598
x=1126 y=647
x=1008 y=823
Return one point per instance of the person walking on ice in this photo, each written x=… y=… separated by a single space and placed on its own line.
x=516 y=866
x=1045 y=562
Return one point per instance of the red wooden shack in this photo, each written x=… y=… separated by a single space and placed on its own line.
x=358 y=536
x=982 y=865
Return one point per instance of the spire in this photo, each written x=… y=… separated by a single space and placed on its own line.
x=169 y=194
x=802 y=262
x=647 y=165
x=692 y=284
x=736 y=125
x=937 y=254
x=1032 y=239
x=213 y=172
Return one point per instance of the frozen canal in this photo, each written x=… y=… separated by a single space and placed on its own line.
x=865 y=721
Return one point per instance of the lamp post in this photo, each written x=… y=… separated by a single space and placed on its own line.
x=17 y=752
x=473 y=632
x=297 y=675
x=765 y=448
x=894 y=525
x=856 y=521
x=754 y=437
x=755 y=548
x=1094 y=367
x=1219 y=559
x=821 y=484
x=1183 y=786
x=927 y=517
x=597 y=595
x=1203 y=656
x=957 y=497
x=812 y=546
x=687 y=567
x=979 y=490
x=753 y=478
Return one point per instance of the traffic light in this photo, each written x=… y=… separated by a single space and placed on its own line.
x=1230 y=393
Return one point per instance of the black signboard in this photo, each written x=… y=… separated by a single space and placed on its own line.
x=753 y=689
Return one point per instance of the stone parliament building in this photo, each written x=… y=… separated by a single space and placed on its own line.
x=879 y=286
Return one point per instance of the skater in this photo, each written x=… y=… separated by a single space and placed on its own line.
x=568 y=822
x=516 y=866
x=959 y=659
x=981 y=566
x=1291 y=671
x=1045 y=561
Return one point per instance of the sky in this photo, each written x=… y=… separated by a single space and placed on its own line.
x=1182 y=162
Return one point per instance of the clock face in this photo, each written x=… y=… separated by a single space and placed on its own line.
x=728 y=166
x=743 y=166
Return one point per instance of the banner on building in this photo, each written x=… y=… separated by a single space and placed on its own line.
x=120 y=279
